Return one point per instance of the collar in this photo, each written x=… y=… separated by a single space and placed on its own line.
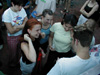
x=43 y=1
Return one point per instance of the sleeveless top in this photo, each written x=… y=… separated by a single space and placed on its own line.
x=94 y=15
x=36 y=46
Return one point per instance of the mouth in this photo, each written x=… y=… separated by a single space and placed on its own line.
x=66 y=30
x=19 y=9
x=37 y=35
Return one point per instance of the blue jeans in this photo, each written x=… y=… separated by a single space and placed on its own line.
x=26 y=68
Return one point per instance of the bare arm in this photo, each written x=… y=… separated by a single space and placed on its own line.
x=82 y=9
x=14 y=29
x=23 y=24
x=94 y=9
x=26 y=6
x=51 y=41
x=35 y=8
x=28 y=49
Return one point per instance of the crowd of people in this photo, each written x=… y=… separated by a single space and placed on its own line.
x=41 y=46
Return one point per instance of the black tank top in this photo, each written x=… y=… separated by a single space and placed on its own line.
x=94 y=15
x=36 y=46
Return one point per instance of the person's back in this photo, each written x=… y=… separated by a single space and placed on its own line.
x=82 y=61
x=95 y=53
x=73 y=66
x=93 y=71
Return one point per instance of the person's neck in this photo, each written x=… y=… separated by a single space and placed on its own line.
x=12 y=8
x=83 y=52
x=43 y=23
x=33 y=39
x=93 y=1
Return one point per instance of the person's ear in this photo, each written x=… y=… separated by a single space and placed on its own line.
x=28 y=30
x=76 y=41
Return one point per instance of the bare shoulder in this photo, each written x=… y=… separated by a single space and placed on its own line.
x=24 y=45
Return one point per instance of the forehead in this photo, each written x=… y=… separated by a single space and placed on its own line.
x=38 y=26
x=47 y=16
x=68 y=25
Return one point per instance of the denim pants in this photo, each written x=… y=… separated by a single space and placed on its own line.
x=26 y=68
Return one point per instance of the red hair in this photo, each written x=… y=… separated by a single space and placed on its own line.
x=29 y=25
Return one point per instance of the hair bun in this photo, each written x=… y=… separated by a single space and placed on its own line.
x=80 y=28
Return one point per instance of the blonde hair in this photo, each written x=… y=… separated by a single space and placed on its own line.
x=89 y=24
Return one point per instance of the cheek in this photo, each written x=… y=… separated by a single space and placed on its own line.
x=72 y=43
x=46 y=20
x=33 y=34
x=36 y=33
x=66 y=29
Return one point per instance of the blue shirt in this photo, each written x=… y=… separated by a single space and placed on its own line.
x=47 y=32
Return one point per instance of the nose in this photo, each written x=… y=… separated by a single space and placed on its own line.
x=49 y=21
x=39 y=31
x=66 y=28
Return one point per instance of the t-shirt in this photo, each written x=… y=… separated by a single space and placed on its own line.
x=62 y=39
x=95 y=52
x=72 y=66
x=94 y=15
x=15 y=18
x=45 y=4
x=93 y=71
x=47 y=33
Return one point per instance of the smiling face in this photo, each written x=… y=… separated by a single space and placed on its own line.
x=35 y=31
x=16 y=7
x=48 y=19
x=67 y=27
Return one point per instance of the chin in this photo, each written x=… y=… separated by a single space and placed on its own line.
x=37 y=37
x=19 y=9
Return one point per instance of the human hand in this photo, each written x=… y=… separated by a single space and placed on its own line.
x=15 y=27
x=38 y=15
x=42 y=35
x=26 y=37
x=35 y=14
x=43 y=54
x=51 y=48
